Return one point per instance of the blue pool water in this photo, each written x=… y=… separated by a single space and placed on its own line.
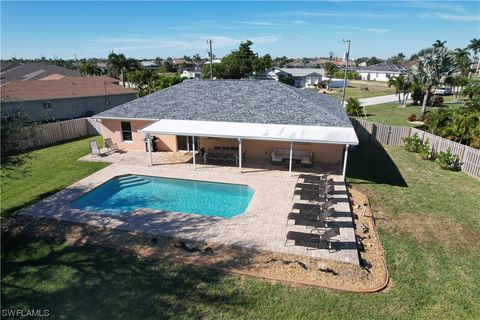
x=130 y=192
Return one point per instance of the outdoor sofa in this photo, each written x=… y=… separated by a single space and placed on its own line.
x=304 y=156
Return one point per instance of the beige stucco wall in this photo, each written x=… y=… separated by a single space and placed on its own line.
x=255 y=149
x=112 y=129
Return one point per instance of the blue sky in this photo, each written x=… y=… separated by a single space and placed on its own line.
x=295 y=29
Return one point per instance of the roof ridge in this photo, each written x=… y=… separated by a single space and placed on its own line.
x=298 y=93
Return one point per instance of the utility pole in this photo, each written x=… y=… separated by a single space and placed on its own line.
x=347 y=54
x=211 y=59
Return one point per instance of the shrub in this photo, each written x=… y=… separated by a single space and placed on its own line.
x=413 y=143
x=354 y=107
x=424 y=151
x=448 y=161
x=436 y=101
x=412 y=117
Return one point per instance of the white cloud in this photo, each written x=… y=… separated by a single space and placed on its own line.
x=344 y=14
x=195 y=42
x=361 y=29
x=457 y=17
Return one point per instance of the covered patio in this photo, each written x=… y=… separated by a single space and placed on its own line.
x=304 y=145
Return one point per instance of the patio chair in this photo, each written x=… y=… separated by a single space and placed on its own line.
x=329 y=190
x=94 y=149
x=325 y=237
x=311 y=218
x=110 y=145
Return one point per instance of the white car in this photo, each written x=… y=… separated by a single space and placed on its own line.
x=443 y=91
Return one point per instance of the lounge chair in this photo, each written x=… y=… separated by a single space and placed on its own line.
x=94 y=149
x=110 y=145
x=329 y=190
x=312 y=218
x=325 y=237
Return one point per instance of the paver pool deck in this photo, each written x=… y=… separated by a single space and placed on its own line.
x=263 y=226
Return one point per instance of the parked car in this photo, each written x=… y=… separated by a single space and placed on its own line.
x=443 y=91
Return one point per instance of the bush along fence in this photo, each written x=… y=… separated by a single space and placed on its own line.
x=394 y=135
x=41 y=135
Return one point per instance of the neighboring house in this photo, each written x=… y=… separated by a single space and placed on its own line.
x=302 y=77
x=252 y=116
x=178 y=62
x=150 y=64
x=214 y=61
x=16 y=71
x=65 y=98
x=408 y=64
x=192 y=74
x=380 y=72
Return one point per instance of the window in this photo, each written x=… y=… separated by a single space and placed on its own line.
x=47 y=105
x=126 y=131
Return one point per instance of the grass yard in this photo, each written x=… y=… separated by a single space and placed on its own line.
x=427 y=219
x=390 y=113
x=356 y=92
x=46 y=171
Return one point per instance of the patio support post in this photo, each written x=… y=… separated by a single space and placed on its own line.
x=240 y=154
x=291 y=156
x=149 y=145
x=188 y=145
x=193 y=150
x=345 y=162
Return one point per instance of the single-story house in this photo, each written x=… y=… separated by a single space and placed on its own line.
x=380 y=72
x=149 y=64
x=16 y=71
x=260 y=119
x=64 y=98
x=303 y=78
x=192 y=73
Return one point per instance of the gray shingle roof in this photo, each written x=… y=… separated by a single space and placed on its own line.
x=251 y=101
x=382 y=67
x=35 y=71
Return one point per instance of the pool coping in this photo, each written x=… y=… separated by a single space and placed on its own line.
x=262 y=226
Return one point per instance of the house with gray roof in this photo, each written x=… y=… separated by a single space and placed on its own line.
x=301 y=77
x=380 y=72
x=34 y=71
x=262 y=119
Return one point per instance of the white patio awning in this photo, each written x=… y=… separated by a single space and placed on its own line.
x=254 y=131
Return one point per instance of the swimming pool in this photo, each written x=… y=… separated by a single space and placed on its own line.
x=130 y=192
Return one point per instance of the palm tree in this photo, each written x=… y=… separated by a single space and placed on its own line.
x=89 y=69
x=354 y=107
x=402 y=86
x=439 y=44
x=463 y=60
x=433 y=69
x=475 y=47
x=118 y=65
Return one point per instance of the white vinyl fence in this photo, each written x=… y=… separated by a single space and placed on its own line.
x=49 y=133
x=393 y=135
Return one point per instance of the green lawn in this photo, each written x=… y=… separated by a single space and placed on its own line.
x=46 y=171
x=390 y=113
x=358 y=93
x=427 y=220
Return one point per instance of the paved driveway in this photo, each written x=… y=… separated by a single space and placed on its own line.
x=378 y=100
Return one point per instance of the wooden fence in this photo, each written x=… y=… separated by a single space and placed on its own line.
x=393 y=135
x=49 y=133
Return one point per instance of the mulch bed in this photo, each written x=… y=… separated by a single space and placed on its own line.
x=370 y=276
